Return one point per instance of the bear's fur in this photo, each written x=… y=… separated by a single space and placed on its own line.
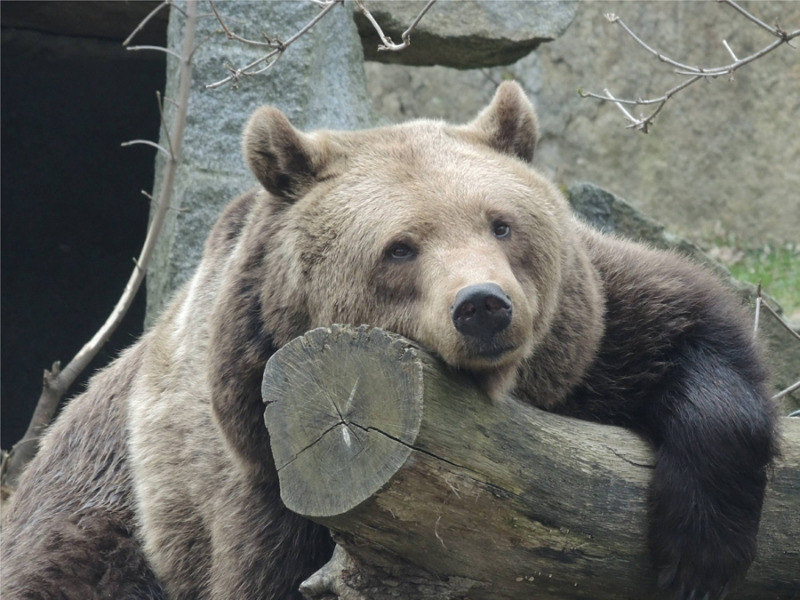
x=157 y=481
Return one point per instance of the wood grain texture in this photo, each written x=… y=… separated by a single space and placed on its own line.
x=434 y=491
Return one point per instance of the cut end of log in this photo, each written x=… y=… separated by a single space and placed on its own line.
x=360 y=434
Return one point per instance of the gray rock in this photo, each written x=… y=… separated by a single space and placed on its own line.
x=464 y=34
x=723 y=159
x=318 y=83
x=104 y=19
x=612 y=214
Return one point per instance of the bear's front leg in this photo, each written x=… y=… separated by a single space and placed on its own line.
x=715 y=436
x=261 y=550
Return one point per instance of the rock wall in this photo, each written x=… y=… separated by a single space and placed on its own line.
x=319 y=82
x=724 y=156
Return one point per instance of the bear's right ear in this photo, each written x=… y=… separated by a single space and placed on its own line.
x=508 y=124
x=285 y=160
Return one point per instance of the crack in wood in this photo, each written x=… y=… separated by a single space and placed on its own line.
x=299 y=452
x=628 y=460
x=496 y=490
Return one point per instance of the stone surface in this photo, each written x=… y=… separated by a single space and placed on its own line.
x=105 y=19
x=465 y=34
x=723 y=160
x=612 y=214
x=319 y=82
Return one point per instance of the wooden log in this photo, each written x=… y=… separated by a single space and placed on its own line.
x=435 y=491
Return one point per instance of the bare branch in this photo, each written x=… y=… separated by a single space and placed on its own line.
x=77 y=364
x=158 y=147
x=792 y=388
x=233 y=36
x=761 y=302
x=158 y=49
x=387 y=41
x=773 y=30
x=692 y=72
x=272 y=57
x=246 y=71
x=612 y=18
x=730 y=51
x=266 y=62
x=153 y=202
x=758 y=309
x=406 y=37
x=780 y=319
x=57 y=381
x=164 y=126
x=178 y=8
x=624 y=110
x=643 y=124
x=170 y=100
x=144 y=22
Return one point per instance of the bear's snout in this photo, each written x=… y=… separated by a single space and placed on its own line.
x=481 y=311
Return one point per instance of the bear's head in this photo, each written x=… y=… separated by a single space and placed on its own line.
x=440 y=233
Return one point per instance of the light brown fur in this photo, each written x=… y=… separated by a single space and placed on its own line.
x=383 y=227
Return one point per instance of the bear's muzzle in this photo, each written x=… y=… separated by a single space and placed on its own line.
x=481 y=311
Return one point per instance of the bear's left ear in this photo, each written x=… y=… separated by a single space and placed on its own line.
x=509 y=123
x=286 y=161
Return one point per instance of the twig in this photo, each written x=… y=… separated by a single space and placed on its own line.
x=406 y=35
x=144 y=22
x=694 y=73
x=158 y=147
x=157 y=49
x=642 y=124
x=154 y=203
x=780 y=319
x=57 y=381
x=612 y=18
x=753 y=18
x=279 y=47
x=266 y=62
x=760 y=301
x=233 y=36
x=794 y=387
x=758 y=309
x=164 y=126
x=729 y=69
x=730 y=51
x=624 y=110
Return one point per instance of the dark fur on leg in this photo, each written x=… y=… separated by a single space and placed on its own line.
x=89 y=555
x=269 y=556
x=679 y=364
x=715 y=438
x=71 y=533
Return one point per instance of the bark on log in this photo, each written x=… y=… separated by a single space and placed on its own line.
x=434 y=491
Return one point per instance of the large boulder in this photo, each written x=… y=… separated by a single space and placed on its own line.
x=465 y=34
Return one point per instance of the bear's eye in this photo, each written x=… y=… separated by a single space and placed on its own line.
x=400 y=251
x=501 y=229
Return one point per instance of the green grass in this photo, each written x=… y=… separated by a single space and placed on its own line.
x=777 y=268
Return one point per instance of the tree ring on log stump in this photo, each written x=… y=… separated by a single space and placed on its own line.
x=370 y=419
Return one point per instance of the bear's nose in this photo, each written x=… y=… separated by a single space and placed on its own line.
x=481 y=310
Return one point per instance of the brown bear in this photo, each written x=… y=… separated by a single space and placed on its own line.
x=157 y=482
